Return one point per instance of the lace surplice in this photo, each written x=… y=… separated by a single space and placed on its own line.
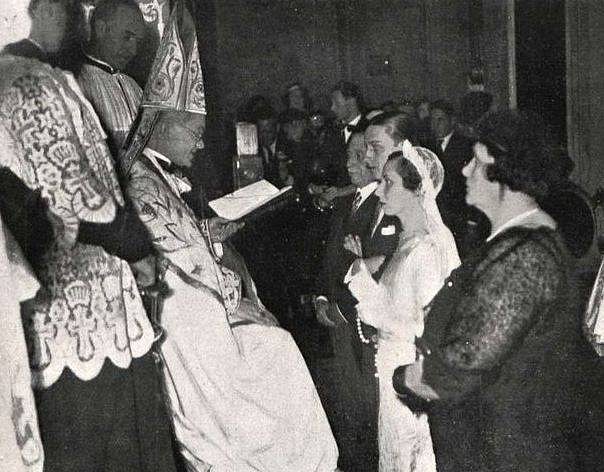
x=54 y=143
x=395 y=306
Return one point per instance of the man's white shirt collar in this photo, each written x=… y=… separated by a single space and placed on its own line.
x=35 y=43
x=366 y=191
x=156 y=155
x=445 y=142
x=354 y=122
x=103 y=63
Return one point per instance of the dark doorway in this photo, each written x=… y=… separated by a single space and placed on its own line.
x=541 y=61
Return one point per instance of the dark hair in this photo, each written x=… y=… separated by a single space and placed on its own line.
x=350 y=90
x=33 y=4
x=106 y=9
x=474 y=105
x=265 y=112
x=399 y=126
x=354 y=134
x=247 y=111
x=389 y=106
x=525 y=159
x=409 y=174
x=443 y=106
x=292 y=114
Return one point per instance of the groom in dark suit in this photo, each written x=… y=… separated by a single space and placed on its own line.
x=349 y=387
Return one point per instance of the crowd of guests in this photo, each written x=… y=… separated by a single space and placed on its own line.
x=306 y=148
x=454 y=329
x=136 y=337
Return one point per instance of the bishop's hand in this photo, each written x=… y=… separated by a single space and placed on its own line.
x=222 y=229
x=145 y=271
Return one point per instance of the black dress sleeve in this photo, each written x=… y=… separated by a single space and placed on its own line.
x=125 y=237
x=24 y=212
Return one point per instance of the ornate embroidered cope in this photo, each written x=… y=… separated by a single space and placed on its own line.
x=176 y=232
x=53 y=141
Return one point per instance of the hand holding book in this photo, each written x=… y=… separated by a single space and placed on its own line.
x=222 y=229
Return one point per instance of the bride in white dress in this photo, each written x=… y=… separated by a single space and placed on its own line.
x=426 y=255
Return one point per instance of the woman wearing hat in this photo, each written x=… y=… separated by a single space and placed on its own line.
x=503 y=360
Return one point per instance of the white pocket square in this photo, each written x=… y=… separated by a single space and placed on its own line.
x=388 y=230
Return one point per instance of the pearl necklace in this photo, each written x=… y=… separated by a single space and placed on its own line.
x=362 y=337
x=364 y=340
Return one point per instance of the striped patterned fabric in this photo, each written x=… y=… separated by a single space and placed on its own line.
x=115 y=97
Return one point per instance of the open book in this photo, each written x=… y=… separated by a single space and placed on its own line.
x=247 y=199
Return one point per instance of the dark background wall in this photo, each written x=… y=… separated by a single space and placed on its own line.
x=541 y=61
x=390 y=48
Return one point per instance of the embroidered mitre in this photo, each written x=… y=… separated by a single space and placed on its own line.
x=175 y=82
x=176 y=79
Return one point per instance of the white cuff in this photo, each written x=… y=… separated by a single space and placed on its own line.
x=348 y=276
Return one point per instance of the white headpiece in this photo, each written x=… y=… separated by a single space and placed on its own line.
x=432 y=176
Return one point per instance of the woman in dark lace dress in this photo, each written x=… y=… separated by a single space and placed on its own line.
x=504 y=364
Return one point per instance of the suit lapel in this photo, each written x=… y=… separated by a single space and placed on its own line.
x=457 y=154
x=345 y=209
x=359 y=221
